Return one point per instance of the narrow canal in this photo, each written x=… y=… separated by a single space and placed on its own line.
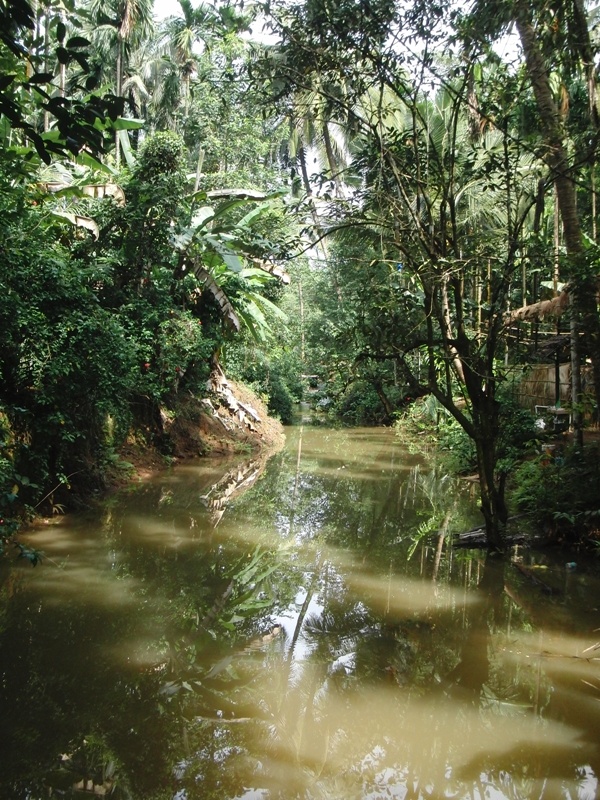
x=298 y=627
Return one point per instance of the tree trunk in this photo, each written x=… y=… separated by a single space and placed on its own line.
x=485 y=411
x=447 y=330
x=46 y=59
x=302 y=334
x=333 y=169
x=385 y=402
x=493 y=504
x=118 y=89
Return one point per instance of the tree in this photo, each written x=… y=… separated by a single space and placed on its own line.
x=351 y=335
x=127 y=23
x=182 y=38
x=424 y=176
x=234 y=144
x=79 y=121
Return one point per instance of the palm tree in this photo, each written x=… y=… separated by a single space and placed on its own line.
x=119 y=26
x=182 y=39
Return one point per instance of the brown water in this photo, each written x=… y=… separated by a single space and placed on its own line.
x=302 y=630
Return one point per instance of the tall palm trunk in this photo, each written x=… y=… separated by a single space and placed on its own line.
x=331 y=162
x=46 y=17
x=583 y=291
x=118 y=92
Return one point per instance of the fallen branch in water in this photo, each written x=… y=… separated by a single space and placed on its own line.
x=476 y=537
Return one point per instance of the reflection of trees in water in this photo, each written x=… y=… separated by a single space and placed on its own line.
x=375 y=507
x=70 y=712
x=304 y=744
x=356 y=696
x=350 y=648
x=64 y=690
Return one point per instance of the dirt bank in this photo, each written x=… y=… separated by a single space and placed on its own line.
x=229 y=419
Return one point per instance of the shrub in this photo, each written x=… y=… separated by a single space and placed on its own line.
x=269 y=379
x=360 y=404
x=518 y=435
x=560 y=491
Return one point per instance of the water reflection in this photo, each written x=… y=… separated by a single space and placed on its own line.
x=296 y=629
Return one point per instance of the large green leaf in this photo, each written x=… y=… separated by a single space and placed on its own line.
x=202 y=216
x=230 y=258
x=124 y=124
x=210 y=284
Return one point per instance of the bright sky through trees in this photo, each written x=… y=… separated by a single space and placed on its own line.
x=165 y=8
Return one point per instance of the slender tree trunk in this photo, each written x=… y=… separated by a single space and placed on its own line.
x=483 y=426
x=385 y=402
x=44 y=11
x=302 y=334
x=486 y=429
x=447 y=330
x=199 y=164
x=62 y=72
x=186 y=96
x=331 y=160
x=315 y=216
x=493 y=504
x=118 y=90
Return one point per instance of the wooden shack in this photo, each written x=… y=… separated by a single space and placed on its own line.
x=541 y=385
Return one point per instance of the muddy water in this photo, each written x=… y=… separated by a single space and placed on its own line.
x=296 y=629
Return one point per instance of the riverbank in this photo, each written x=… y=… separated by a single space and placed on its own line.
x=230 y=419
x=551 y=486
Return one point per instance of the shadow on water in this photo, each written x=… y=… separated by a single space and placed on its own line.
x=300 y=628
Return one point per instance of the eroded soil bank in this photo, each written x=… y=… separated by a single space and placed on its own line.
x=230 y=419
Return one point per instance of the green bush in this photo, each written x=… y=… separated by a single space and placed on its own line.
x=459 y=448
x=269 y=379
x=359 y=404
x=560 y=491
x=280 y=403
x=83 y=352
x=518 y=435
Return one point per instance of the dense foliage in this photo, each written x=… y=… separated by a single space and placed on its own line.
x=120 y=289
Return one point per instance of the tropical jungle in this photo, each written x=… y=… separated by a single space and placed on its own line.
x=300 y=374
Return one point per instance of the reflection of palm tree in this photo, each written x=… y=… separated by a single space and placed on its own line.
x=436 y=487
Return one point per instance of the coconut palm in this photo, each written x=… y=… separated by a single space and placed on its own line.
x=182 y=38
x=118 y=27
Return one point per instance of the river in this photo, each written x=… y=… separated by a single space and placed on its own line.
x=296 y=628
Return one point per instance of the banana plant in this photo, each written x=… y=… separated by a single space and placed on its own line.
x=227 y=258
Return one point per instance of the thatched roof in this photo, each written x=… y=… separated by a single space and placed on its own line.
x=538 y=311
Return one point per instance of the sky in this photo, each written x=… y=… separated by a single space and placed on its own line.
x=166 y=8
